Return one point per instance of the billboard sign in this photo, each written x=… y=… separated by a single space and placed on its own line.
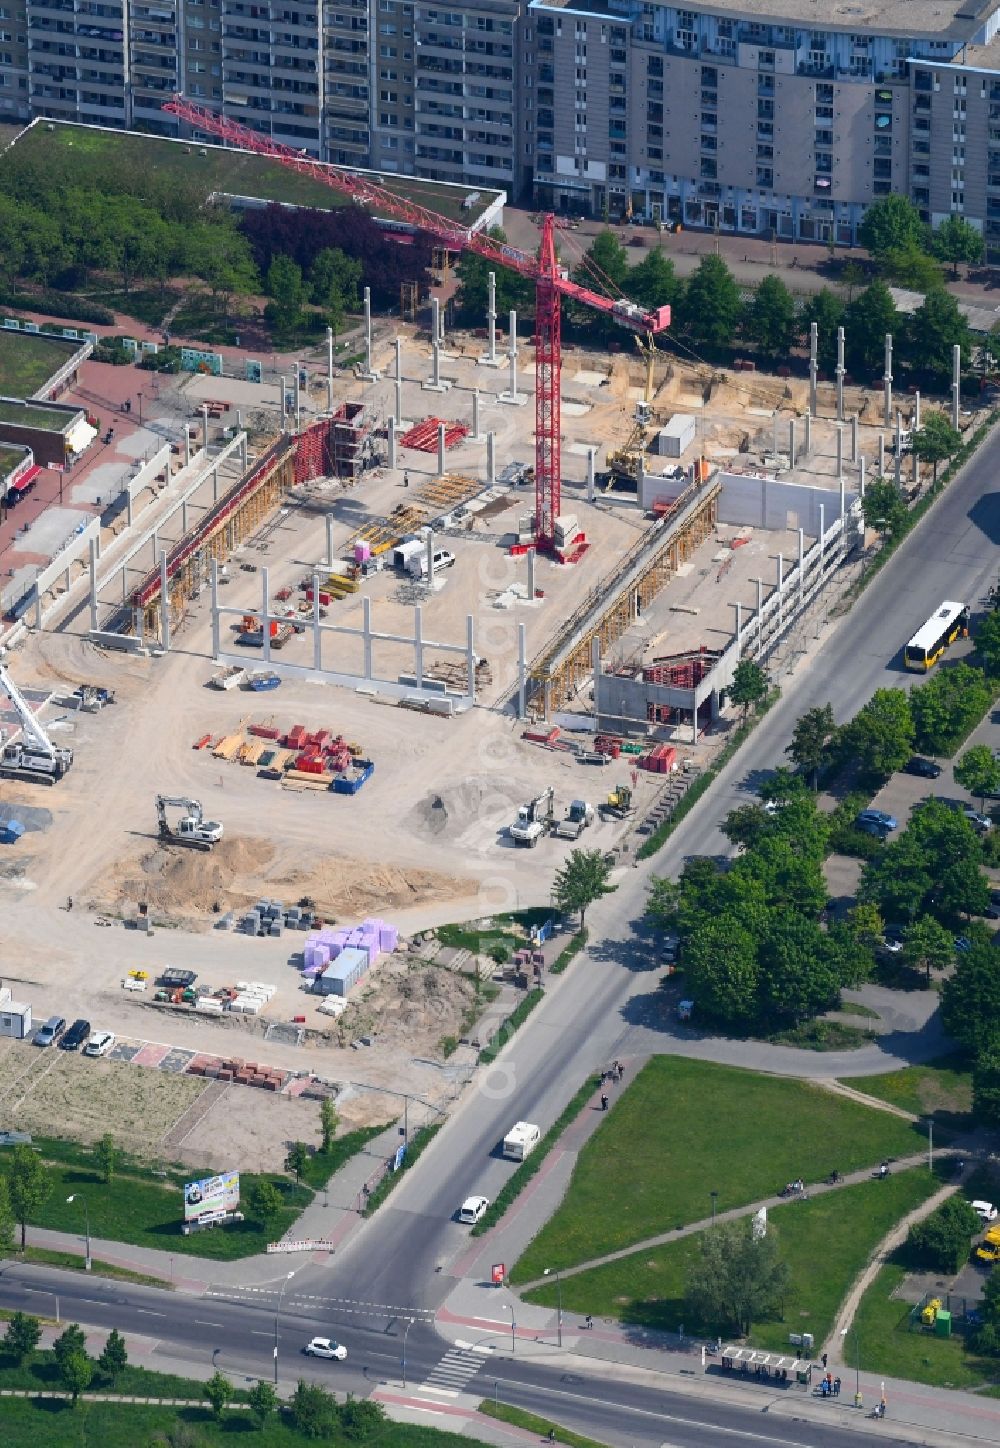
x=211 y=1194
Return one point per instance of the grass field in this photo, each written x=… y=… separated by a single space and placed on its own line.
x=27 y=362
x=686 y=1128
x=74 y=1262
x=147 y=1210
x=942 y=1089
x=887 y=1345
x=826 y=1241
x=541 y=1427
x=212 y=168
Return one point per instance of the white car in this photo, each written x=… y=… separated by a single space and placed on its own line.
x=985 y=1211
x=325 y=1347
x=472 y=1209
x=101 y=1043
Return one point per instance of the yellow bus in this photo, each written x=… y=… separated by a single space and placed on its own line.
x=948 y=622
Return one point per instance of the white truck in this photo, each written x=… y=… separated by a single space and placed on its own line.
x=579 y=817
x=521 y=1140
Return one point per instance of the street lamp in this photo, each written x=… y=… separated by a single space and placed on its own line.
x=857 y=1363
x=75 y=1196
x=277 y=1314
x=559 y=1299
x=409 y=1324
x=513 y=1329
x=715 y=1198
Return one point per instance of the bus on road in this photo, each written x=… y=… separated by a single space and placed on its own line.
x=948 y=622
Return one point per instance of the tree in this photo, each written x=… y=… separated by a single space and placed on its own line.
x=29 y=1186
x=287 y=293
x=866 y=321
x=654 y=283
x=712 y=305
x=327 y=1123
x=850 y=955
x=978 y=771
x=962 y=889
x=890 y=223
x=813 y=738
x=265 y=1199
x=948 y=705
x=749 y=685
x=106 y=1156
x=932 y=331
x=936 y=440
x=513 y=292
x=6 y=1217
x=747 y=825
x=71 y=1339
x=114 y=1358
x=297 y=1159
x=663 y=905
x=313 y=1410
x=219 y=1392
x=957 y=240
x=881 y=733
x=361 y=1417
x=988 y=643
x=262 y=1401
x=76 y=1371
x=940 y=1243
x=220 y=257
x=909 y=266
x=770 y=319
x=883 y=508
x=865 y=923
x=797 y=975
x=582 y=880
x=970 y=997
x=898 y=880
x=332 y=269
x=22 y=1337
x=721 y=969
x=826 y=309
x=927 y=945
x=738 y=1277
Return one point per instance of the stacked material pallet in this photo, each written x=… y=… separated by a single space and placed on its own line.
x=659 y=760
x=228 y=747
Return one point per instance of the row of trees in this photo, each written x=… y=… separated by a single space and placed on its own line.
x=75 y=1368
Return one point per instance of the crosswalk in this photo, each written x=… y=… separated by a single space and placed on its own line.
x=456 y=1369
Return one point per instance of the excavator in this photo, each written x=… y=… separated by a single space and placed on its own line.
x=33 y=756
x=534 y=819
x=191 y=829
x=618 y=803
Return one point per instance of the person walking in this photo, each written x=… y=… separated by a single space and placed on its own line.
x=604 y=1101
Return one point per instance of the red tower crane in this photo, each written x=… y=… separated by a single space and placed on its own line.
x=552 y=283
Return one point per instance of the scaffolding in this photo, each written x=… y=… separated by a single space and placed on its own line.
x=558 y=671
x=352 y=449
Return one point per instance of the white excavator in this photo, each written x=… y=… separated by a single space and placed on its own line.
x=33 y=756
x=192 y=828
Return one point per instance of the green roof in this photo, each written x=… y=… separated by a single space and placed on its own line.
x=238 y=173
x=29 y=359
x=36 y=414
x=9 y=459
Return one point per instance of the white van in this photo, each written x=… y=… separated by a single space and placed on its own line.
x=520 y=1140
x=416 y=564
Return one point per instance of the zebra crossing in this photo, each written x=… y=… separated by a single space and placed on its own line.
x=456 y=1369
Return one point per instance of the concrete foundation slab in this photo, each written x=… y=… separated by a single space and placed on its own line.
x=589 y=379
x=510 y=400
x=575 y=409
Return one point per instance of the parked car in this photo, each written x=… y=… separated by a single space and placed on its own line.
x=472 y=1209
x=100 y=1044
x=878 y=817
x=980 y=822
x=985 y=1211
x=48 y=1034
x=325 y=1347
x=75 y=1036
x=925 y=768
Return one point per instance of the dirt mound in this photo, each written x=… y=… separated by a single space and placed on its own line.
x=414 y=1008
x=348 y=887
x=453 y=810
x=173 y=880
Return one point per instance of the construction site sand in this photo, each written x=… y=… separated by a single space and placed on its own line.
x=409 y=1005
x=174 y=881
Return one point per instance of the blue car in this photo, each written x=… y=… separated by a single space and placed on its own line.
x=878 y=818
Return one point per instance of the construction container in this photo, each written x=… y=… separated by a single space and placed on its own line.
x=15 y=1016
x=11 y=831
x=342 y=974
x=351 y=782
x=678 y=435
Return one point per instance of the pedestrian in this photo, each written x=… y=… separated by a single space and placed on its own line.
x=829 y=1382
x=604 y=1101
x=823 y=1388
x=69 y=903
x=406 y=480
x=823 y=1359
x=836 y=1387
x=589 y=1322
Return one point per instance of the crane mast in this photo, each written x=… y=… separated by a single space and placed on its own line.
x=552 y=283
x=33 y=755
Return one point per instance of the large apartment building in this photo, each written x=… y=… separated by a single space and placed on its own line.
x=767 y=117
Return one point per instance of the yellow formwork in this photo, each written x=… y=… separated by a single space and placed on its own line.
x=228 y=747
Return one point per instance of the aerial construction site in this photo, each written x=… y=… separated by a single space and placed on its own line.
x=370 y=652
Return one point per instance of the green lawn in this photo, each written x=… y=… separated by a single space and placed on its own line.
x=212 y=168
x=942 y=1089
x=147 y=1209
x=826 y=1241
x=74 y=1262
x=40 y=1373
x=27 y=362
x=685 y=1128
x=888 y=1346
x=541 y=1427
x=34 y=415
x=322 y=1165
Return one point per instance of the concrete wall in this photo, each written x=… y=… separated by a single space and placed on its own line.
x=747 y=501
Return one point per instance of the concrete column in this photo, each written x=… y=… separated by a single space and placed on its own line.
x=204 y=426
x=840 y=374
x=531 y=573
x=441 y=438
x=791 y=442
x=491 y=318
x=881 y=454
x=739 y=620
x=215 y=484
x=491 y=466
x=475 y=415
x=297 y=392
x=156 y=546
x=775 y=420
x=843 y=498
x=187 y=446
x=214 y=579
x=897 y=469
x=399 y=359
x=436 y=324
x=861 y=476
x=418 y=646
x=956 y=385
x=511 y=395
x=243 y=452
x=522 y=670
x=128 y=506
x=440 y=329
x=366 y=634
x=914 y=468
x=760 y=605
x=854 y=438
x=317 y=631
x=916 y=411
x=470 y=654
x=781 y=589
x=184 y=515
x=392 y=442
x=813 y=368
x=807 y=441
x=329 y=369
x=591 y=473
x=802 y=555
x=430 y=557
x=840 y=451
x=265 y=619
x=822 y=536
x=329 y=540
x=399 y=399
x=887 y=381
x=164 y=602
x=93 y=583
x=369 y=374
x=284 y=400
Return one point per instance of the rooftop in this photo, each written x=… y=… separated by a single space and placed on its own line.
x=35 y=414
x=28 y=360
x=9 y=459
x=954 y=19
x=216 y=169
